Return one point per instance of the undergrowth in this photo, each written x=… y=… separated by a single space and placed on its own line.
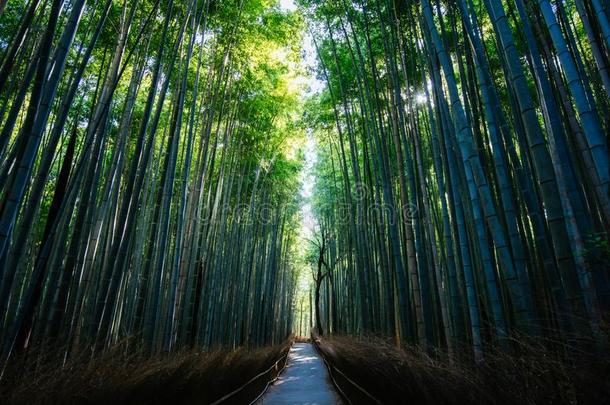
x=119 y=377
x=530 y=374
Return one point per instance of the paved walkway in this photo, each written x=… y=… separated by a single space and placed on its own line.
x=305 y=381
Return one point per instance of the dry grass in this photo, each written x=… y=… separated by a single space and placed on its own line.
x=116 y=377
x=535 y=375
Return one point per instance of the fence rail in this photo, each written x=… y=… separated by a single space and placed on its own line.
x=275 y=370
x=351 y=392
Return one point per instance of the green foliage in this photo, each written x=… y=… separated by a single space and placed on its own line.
x=597 y=252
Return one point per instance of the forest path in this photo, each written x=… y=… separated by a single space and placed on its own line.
x=305 y=381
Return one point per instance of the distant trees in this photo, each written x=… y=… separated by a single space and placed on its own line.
x=147 y=173
x=464 y=168
x=322 y=270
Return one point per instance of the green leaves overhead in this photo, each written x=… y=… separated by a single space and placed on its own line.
x=156 y=190
x=461 y=168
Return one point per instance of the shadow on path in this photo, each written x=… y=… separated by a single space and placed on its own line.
x=305 y=381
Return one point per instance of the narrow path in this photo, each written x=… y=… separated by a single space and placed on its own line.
x=305 y=381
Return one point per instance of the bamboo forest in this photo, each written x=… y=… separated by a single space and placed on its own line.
x=304 y=202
